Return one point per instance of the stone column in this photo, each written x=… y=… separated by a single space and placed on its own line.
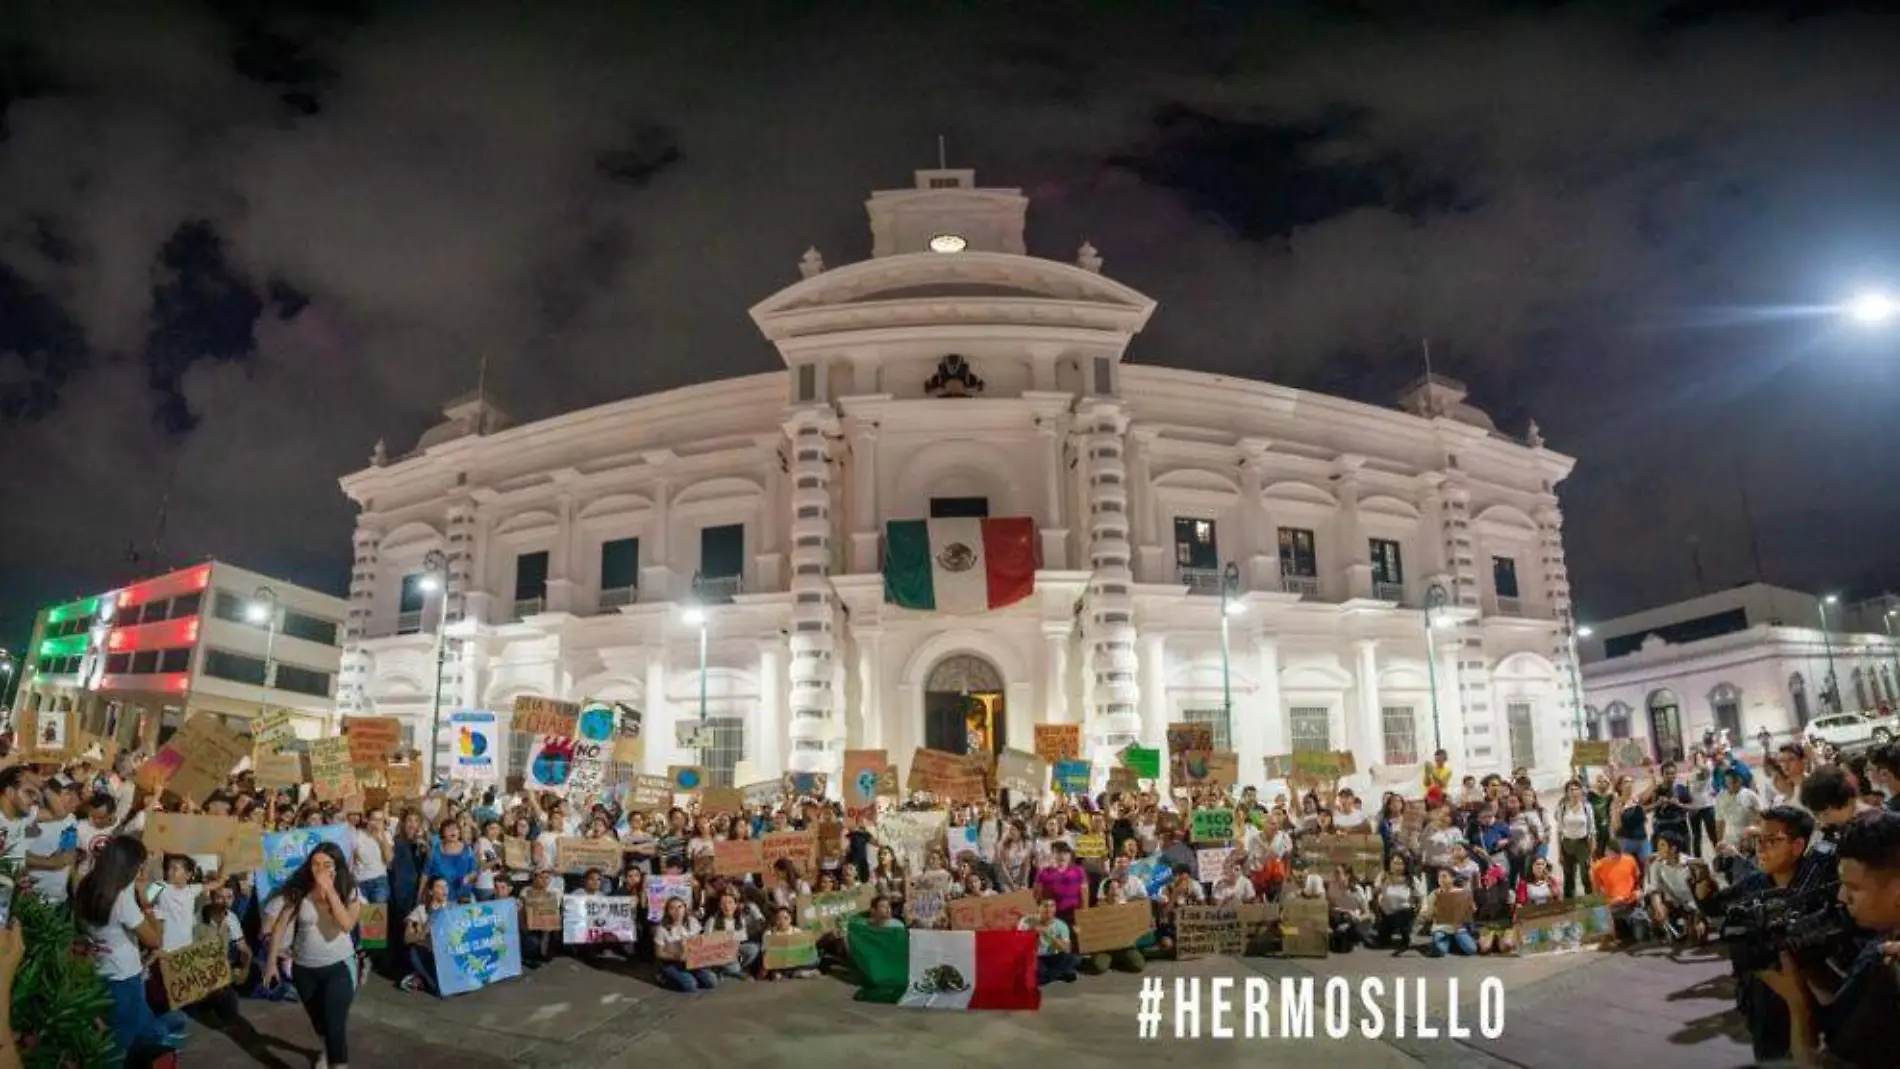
x=1276 y=732
x=813 y=674
x=864 y=512
x=1154 y=699
x=656 y=559
x=1150 y=554
x=764 y=742
x=1109 y=615
x=563 y=569
x=870 y=689
x=660 y=749
x=1355 y=553
x=1369 y=746
x=1055 y=672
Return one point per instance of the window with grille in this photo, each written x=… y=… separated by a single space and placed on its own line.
x=1387 y=567
x=519 y=745
x=1518 y=715
x=727 y=749
x=1216 y=719
x=1299 y=555
x=410 y=600
x=531 y=576
x=1194 y=545
x=1504 y=576
x=1311 y=728
x=1401 y=735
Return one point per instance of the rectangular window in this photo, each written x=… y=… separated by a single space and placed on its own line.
x=722 y=551
x=308 y=628
x=236 y=667
x=144 y=662
x=1504 y=576
x=953 y=508
x=727 y=750
x=413 y=595
x=187 y=604
x=1215 y=718
x=1401 y=735
x=302 y=680
x=178 y=660
x=531 y=575
x=1387 y=566
x=620 y=564
x=1298 y=556
x=1104 y=376
x=118 y=664
x=1523 y=738
x=1195 y=545
x=807 y=382
x=1311 y=728
x=228 y=606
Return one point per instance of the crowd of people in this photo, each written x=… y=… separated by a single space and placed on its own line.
x=1660 y=845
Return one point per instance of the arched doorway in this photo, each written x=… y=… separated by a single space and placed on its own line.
x=1665 y=725
x=963 y=706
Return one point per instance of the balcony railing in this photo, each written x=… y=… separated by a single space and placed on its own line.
x=526 y=607
x=409 y=623
x=1529 y=610
x=714 y=589
x=1306 y=586
x=614 y=597
x=1199 y=580
x=1394 y=592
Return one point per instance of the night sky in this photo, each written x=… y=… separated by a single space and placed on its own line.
x=249 y=240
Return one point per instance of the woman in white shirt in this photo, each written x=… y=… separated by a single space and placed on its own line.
x=321 y=908
x=121 y=922
x=669 y=947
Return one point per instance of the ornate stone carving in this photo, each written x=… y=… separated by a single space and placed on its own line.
x=953 y=379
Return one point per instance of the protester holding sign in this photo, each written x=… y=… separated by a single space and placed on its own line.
x=313 y=930
x=732 y=914
x=112 y=907
x=422 y=976
x=669 y=948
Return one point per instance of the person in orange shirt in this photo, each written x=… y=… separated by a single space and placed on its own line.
x=1617 y=877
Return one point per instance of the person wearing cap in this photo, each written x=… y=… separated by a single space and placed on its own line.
x=54 y=846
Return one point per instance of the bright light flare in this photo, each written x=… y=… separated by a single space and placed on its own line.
x=1873 y=308
x=694 y=617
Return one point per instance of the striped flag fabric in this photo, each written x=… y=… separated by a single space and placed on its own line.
x=959 y=566
x=945 y=970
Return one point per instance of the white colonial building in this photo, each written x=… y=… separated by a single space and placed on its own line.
x=1749 y=659
x=952 y=374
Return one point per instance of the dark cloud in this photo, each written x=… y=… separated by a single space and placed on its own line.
x=361 y=201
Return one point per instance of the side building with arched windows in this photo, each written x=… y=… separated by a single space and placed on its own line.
x=1079 y=539
x=1749 y=659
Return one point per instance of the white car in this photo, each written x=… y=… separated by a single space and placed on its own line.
x=1851 y=729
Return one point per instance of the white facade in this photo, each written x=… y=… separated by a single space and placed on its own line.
x=872 y=421
x=1749 y=674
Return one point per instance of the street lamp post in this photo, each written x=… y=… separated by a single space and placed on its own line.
x=1230 y=605
x=263 y=610
x=1436 y=597
x=435 y=566
x=1833 y=695
x=695 y=616
x=1576 y=680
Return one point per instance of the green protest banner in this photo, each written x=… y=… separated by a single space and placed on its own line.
x=1213 y=826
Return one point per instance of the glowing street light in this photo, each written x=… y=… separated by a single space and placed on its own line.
x=1873 y=308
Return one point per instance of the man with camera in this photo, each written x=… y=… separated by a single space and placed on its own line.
x=1781 y=844
x=1855 y=1019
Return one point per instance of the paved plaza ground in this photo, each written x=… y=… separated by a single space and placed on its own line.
x=1584 y=1010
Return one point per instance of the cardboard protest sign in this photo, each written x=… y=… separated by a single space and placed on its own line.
x=245 y=850
x=600 y=918
x=1213 y=826
x=763 y=793
x=716 y=800
x=155 y=772
x=649 y=794
x=544 y=716
x=1058 y=742
x=1589 y=752
x=372 y=925
x=804 y=784
x=403 y=780
x=1562 y=927
x=686 y=779
x=910 y=835
x=541 y=911
x=207 y=751
x=800 y=847
x=196 y=972
x=712 y=949
x=330 y=769
x=948 y=776
x=1115 y=927
x=517 y=853
x=1453 y=908
x=372 y=739
x=1090 y=847
x=828 y=912
x=592 y=750
x=661 y=888
x=1304 y=927
x=1363 y=854
x=1070 y=777
x=1207 y=768
x=862 y=769
x=277 y=771
x=1210 y=863
x=738 y=857
x=475 y=945
x=180 y=833
x=1629 y=753
x=92 y=749
x=1324 y=764
x=1123 y=781
x=1026 y=774
x=1144 y=763
x=49 y=735
x=791 y=950
x=1204 y=930
x=575 y=854
x=630 y=746
x=272 y=730
x=924 y=907
x=996 y=913
x=1278 y=766
x=1184 y=737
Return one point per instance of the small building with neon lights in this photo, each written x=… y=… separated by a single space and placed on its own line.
x=213 y=639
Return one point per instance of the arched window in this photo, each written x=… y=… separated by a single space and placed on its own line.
x=1618 y=716
x=1725 y=705
x=1860 y=691
x=1665 y=725
x=1798 y=694
x=1592 y=723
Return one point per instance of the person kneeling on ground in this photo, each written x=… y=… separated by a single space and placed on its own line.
x=1448 y=911
x=669 y=948
x=1055 y=950
x=781 y=925
x=421 y=943
x=1671 y=897
x=1127 y=959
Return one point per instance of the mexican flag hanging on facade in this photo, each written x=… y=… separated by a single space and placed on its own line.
x=959 y=566
x=945 y=970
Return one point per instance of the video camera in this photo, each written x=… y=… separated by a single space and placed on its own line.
x=1812 y=925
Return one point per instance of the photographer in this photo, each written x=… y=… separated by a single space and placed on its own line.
x=1780 y=851
x=1856 y=1021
